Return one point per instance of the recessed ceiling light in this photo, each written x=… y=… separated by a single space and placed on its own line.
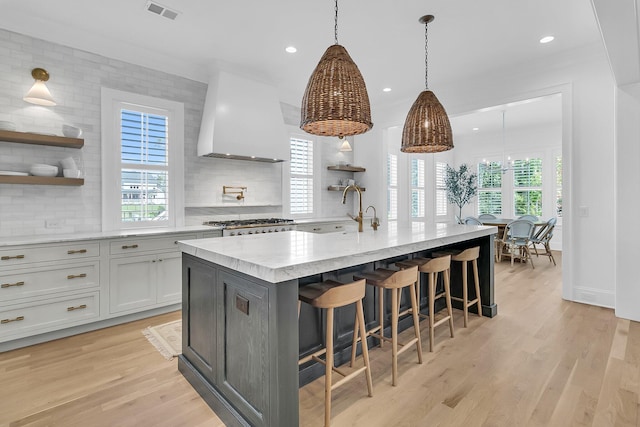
x=386 y=89
x=476 y=128
x=291 y=49
x=546 y=39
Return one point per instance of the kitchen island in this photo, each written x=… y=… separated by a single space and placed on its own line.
x=241 y=333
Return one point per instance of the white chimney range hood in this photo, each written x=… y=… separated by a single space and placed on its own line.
x=242 y=119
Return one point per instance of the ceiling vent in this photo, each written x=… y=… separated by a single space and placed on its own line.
x=161 y=10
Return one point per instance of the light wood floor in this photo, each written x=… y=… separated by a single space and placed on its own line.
x=541 y=362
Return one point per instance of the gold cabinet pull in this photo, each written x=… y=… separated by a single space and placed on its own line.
x=129 y=246
x=78 y=251
x=80 y=307
x=17 y=319
x=76 y=276
x=8 y=285
x=6 y=257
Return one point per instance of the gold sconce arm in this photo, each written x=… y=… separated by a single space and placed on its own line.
x=237 y=191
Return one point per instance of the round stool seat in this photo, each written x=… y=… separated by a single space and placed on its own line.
x=332 y=294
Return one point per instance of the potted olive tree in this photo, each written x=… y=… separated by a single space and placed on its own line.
x=461 y=186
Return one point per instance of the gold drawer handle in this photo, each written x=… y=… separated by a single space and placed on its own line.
x=8 y=285
x=80 y=307
x=129 y=247
x=76 y=276
x=6 y=257
x=79 y=251
x=17 y=319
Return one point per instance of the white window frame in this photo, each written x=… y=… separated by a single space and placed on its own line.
x=418 y=189
x=546 y=176
x=439 y=180
x=500 y=189
x=112 y=102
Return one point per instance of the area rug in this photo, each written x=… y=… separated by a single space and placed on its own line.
x=166 y=338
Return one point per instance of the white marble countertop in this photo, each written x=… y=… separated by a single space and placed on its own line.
x=314 y=220
x=293 y=254
x=58 y=238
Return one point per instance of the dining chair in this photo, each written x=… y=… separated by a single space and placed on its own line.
x=487 y=216
x=517 y=236
x=531 y=218
x=472 y=221
x=543 y=237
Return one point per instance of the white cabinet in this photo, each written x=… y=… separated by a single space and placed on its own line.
x=145 y=272
x=46 y=287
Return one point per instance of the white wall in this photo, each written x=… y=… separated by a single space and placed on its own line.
x=585 y=80
x=627 y=226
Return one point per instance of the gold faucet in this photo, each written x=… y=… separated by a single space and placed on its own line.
x=355 y=188
x=375 y=221
x=234 y=190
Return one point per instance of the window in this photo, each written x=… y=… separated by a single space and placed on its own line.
x=527 y=183
x=490 y=188
x=301 y=177
x=441 y=189
x=559 y=186
x=143 y=154
x=417 y=188
x=392 y=187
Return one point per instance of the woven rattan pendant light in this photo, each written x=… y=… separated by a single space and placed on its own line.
x=426 y=128
x=336 y=102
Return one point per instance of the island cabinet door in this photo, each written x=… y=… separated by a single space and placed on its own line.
x=199 y=320
x=244 y=347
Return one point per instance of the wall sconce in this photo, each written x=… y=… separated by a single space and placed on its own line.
x=346 y=146
x=39 y=94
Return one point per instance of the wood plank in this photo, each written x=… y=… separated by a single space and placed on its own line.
x=40 y=139
x=40 y=180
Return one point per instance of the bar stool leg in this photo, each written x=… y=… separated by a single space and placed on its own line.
x=477 y=283
x=416 y=320
x=328 y=368
x=465 y=294
x=447 y=297
x=381 y=314
x=354 y=343
x=365 y=349
x=394 y=335
x=432 y=311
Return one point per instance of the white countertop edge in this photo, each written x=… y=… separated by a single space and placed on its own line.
x=61 y=238
x=278 y=270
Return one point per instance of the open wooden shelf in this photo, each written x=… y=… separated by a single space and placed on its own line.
x=346 y=168
x=342 y=187
x=39 y=139
x=40 y=180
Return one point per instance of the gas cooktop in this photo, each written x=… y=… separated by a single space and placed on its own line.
x=241 y=223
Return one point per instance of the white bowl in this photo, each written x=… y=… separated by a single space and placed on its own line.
x=71 y=131
x=71 y=173
x=43 y=170
x=68 y=163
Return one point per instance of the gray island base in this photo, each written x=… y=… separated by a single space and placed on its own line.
x=241 y=334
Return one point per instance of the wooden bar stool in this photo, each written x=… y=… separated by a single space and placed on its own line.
x=395 y=281
x=433 y=267
x=330 y=295
x=469 y=255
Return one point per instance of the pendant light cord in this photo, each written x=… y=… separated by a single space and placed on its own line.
x=426 y=53
x=335 y=28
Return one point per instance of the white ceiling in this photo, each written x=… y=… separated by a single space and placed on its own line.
x=384 y=38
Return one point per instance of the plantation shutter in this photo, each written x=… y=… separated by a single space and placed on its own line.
x=527 y=182
x=441 y=189
x=301 y=191
x=392 y=187
x=144 y=166
x=490 y=188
